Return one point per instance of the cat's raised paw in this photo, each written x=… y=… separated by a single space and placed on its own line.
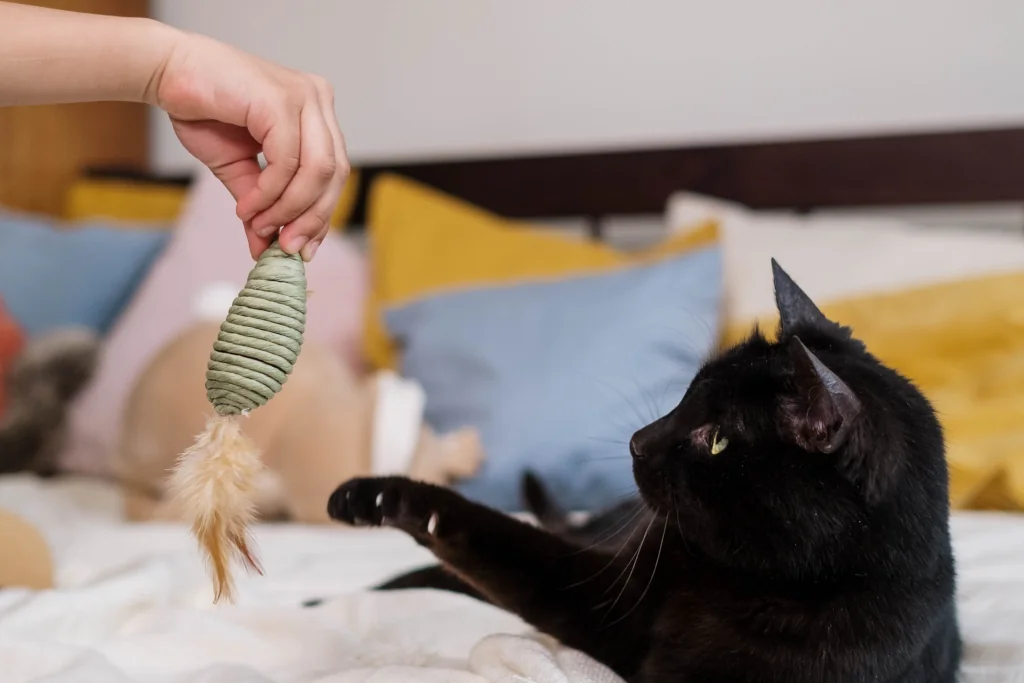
x=388 y=501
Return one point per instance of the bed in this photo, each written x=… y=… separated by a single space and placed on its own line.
x=132 y=602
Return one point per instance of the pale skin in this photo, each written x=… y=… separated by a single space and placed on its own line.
x=226 y=106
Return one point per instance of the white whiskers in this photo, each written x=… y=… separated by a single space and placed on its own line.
x=631 y=566
x=650 y=581
x=611 y=561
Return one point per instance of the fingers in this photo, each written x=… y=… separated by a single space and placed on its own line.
x=290 y=117
x=315 y=222
x=301 y=207
x=257 y=244
x=277 y=127
x=305 y=203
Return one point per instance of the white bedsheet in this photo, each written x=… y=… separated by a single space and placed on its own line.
x=133 y=606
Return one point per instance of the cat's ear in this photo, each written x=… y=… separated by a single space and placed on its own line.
x=796 y=308
x=826 y=409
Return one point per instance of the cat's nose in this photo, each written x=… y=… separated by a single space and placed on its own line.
x=635 y=448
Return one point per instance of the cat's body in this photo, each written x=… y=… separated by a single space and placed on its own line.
x=610 y=529
x=796 y=528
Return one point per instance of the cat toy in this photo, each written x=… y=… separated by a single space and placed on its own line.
x=214 y=480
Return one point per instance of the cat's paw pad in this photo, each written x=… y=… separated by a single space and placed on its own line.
x=387 y=501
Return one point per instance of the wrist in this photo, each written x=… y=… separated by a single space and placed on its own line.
x=150 y=44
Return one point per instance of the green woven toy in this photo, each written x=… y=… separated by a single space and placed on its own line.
x=256 y=348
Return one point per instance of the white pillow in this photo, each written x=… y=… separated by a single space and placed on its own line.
x=836 y=257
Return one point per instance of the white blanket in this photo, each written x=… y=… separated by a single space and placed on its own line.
x=133 y=606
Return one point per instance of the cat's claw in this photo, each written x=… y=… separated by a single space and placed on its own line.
x=387 y=501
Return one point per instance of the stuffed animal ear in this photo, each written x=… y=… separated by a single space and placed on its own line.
x=827 y=408
x=796 y=308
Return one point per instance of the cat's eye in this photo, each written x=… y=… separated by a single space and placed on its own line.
x=718 y=443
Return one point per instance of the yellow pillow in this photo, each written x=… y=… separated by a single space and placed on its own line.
x=160 y=203
x=423 y=241
x=346 y=202
x=962 y=343
x=124 y=200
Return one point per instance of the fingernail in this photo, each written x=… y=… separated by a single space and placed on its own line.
x=243 y=216
x=296 y=245
x=266 y=231
x=310 y=251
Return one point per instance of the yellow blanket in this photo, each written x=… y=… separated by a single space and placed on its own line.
x=962 y=343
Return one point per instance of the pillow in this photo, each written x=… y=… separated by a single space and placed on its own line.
x=143 y=201
x=207 y=255
x=962 y=343
x=557 y=375
x=11 y=341
x=71 y=275
x=423 y=241
x=146 y=200
x=535 y=339
x=833 y=257
x=943 y=307
x=347 y=201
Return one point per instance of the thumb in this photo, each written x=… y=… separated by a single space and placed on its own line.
x=230 y=154
x=238 y=176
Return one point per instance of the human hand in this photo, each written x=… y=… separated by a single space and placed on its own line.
x=226 y=106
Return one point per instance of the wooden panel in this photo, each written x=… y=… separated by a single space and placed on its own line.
x=954 y=167
x=43 y=148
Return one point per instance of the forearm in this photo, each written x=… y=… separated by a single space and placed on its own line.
x=50 y=56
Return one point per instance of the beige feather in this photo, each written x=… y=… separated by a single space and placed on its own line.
x=215 y=481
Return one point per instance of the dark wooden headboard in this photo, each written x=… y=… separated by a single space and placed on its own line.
x=961 y=167
x=44 y=148
x=933 y=168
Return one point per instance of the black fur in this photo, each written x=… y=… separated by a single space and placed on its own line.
x=434 y=576
x=813 y=547
x=609 y=529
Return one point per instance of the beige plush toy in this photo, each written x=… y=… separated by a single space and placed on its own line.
x=26 y=561
x=324 y=427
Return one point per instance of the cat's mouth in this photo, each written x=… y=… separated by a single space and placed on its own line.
x=658 y=488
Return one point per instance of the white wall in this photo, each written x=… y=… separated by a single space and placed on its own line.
x=441 y=78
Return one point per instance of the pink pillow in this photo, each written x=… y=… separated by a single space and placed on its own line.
x=207 y=253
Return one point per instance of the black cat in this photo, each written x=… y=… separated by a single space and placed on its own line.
x=608 y=529
x=797 y=528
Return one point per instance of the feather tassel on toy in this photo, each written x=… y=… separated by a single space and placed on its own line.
x=258 y=344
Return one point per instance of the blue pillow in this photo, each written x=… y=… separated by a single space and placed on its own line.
x=80 y=275
x=557 y=375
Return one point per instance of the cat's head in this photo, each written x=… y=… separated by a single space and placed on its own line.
x=784 y=455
